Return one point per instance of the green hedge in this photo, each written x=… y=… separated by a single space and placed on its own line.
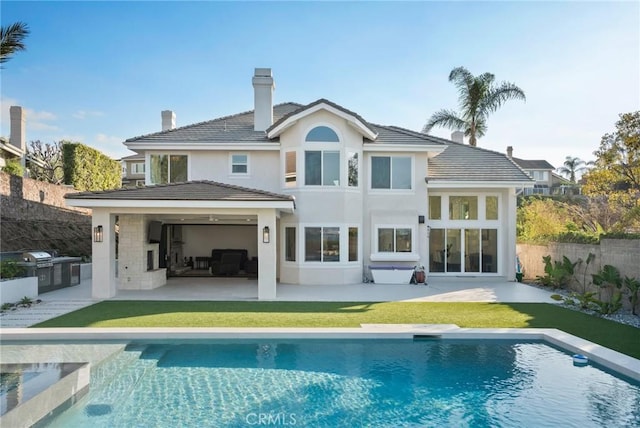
x=86 y=168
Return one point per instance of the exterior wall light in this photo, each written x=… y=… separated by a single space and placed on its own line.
x=266 y=238
x=98 y=235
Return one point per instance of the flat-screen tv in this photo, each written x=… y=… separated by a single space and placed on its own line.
x=155 y=232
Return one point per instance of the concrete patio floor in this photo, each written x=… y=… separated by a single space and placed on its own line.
x=59 y=302
x=438 y=290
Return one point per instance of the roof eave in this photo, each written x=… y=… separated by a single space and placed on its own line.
x=382 y=147
x=434 y=183
x=204 y=145
x=184 y=204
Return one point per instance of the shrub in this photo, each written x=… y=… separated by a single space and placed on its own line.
x=10 y=269
x=88 y=169
x=13 y=167
x=557 y=273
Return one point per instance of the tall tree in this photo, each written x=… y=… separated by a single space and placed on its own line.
x=11 y=38
x=571 y=166
x=478 y=97
x=48 y=161
x=615 y=176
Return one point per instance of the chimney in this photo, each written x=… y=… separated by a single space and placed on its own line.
x=168 y=120
x=17 y=136
x=458 y=137
x=263 y=87
x=509 y=152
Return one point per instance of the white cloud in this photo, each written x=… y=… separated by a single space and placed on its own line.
x=35 y=120
x=83 y=114
x=110 y=145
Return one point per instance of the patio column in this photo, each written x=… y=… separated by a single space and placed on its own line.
x=510 y=259
x=103 y=255
x=267 y=255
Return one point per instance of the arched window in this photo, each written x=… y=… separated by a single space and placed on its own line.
x=323 y=134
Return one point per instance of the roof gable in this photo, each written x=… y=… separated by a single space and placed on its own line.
x=352 y=118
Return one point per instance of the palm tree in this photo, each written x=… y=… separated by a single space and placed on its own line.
x=11 y=40
x=571 y=166
x=478 y=98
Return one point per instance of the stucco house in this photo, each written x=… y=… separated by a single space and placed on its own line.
x=308 y=194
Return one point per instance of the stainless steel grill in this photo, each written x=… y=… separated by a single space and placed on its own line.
x=40 y=258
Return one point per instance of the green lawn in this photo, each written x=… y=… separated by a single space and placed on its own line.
x=622 y=338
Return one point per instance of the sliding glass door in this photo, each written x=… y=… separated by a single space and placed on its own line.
x=463 y=250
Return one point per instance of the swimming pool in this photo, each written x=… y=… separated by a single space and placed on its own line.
x=355 y=382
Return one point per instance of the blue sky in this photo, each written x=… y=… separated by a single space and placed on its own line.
x=101 y=72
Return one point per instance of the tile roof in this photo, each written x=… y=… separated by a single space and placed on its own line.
x=460 y=162
x=533 y=164
x=237 y=127
x=136 y=156
x=189 y=191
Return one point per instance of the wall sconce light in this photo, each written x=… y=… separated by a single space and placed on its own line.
x=97 y=234
x=265 y=235
x=420 y=219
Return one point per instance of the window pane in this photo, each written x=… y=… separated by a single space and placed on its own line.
x=178 y=169
x=312 y=168
x=331 y=168
x=463 y=207
x=312 y=243
x=380 y=172
x=490 y=250
x=290 y=244
x=239 y=159
x=239 y=169
x=385 y=241
x=435 y=207
x=436 y=250
x=159 y=169
x=472 y=250
x=331 y=244
x=401 y=167
x=239 y=164
x=353 y=244
x=290 y=174
x=453 y=250
x=491 y=210
x=352 y=171
x=403 y=240
x=322 y=133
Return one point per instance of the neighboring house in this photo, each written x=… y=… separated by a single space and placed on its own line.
x=16 y=146
x=311 y=194
x=133 y=170
x=540 y=170
x=562 y=186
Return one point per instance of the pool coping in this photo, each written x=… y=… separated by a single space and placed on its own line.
x=612 y=360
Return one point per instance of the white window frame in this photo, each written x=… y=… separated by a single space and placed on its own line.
x=284 y=244
x=391 y=189
x=135 y=168
x=303 y=247
x=283 y=157
x=147 y=160
x=232 y=163
x=320 y=146
x=358 y=153
x=377 y=255
x=481 y=222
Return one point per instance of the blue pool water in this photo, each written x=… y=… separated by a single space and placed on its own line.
x=372 y=383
